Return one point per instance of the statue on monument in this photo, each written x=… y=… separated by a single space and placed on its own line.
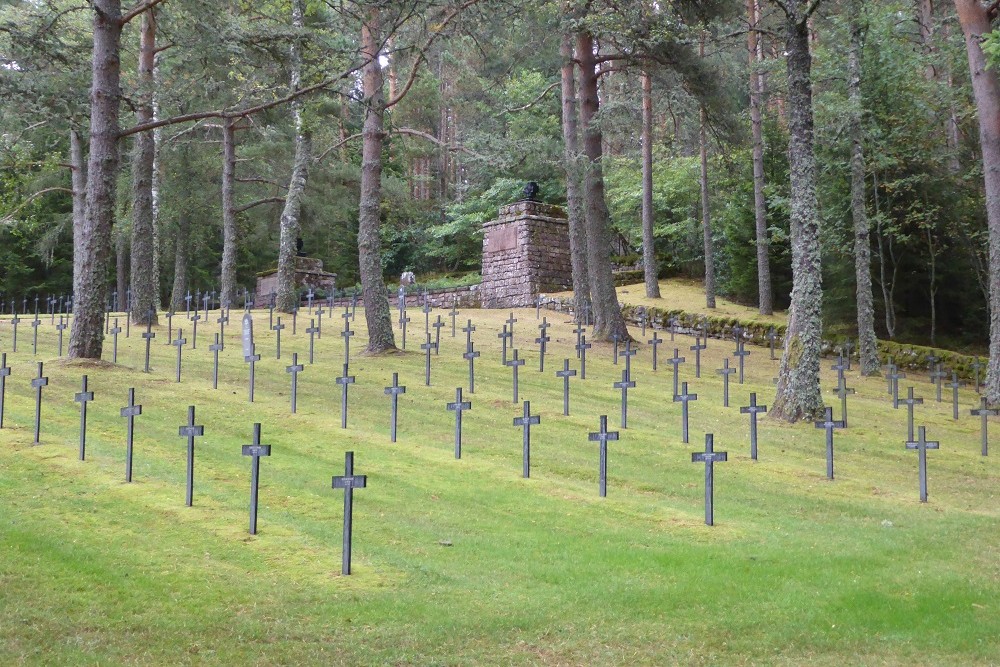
x=530 y=192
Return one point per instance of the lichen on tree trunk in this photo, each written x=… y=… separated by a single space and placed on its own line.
x=798 y=393
x=230 y=230
x=649 y=268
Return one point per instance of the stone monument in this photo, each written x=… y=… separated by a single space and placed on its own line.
x=525 y=253
x=309 y=273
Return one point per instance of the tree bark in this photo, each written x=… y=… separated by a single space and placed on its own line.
x=79 y=180
x=976 y=24
x=289 y=225
x=608 y=320
x=706 y=211
x=649 y=267
x=574 y=198
x=143 y=274
x=765 y=299
x=374 y=293
x=91 y=255
x=867 y=344
x=230 y=229
x=121 y=234
x=182 y=246
x=798 y=393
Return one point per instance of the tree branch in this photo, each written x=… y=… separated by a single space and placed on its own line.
x=10 y=216
x=259 y=202
x=138 y=9
x=535 y=101
x=261 y=180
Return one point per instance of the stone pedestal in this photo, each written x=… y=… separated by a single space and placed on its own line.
x=525 y=253
x=308 y=273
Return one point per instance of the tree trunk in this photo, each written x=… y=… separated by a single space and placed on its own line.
x=182 y=246
x=157 y=179
x=143 y=276
x=376 y=297
x=288 y=295
x=867 y=344
x=706 y=211
x=975 y=20
x=608 y=320
x=92 y=253
x=230 y=230
x=121 y=235
x=798 y=393
x=764 y=297
x=649 y=267
x=79 y=180
x=574 y=200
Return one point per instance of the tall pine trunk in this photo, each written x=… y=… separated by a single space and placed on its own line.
x=289 y=225
x=706 y=210
x=765 y=301
x=976 y=24
x=79 y=180
x=867 y=344
x=92 y=252
x=230 y=228
x=143 y=267
x=574 y=198
x=649 y=267
x=608 y=320
x=798 y=393
x=374 y=293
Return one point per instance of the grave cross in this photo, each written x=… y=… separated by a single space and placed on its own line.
x=115 y=330
x=697 y=348
x=909 y=402
x=842 y=393
x=514 y=363
x=458 y=407
x=215 y=348
x=628 y=353
x=471 y=355
x=148 y=336
x=894 y=376
x=753 y=410
x=403 y=319
x=504 y=336
x=977 y=366
x=194 y=330
x=311 y=330
x=642 y=322
x=741 y=353
x=840 y=367
x=170 y=326
x=954 y=385
x=655 y=342
x=625 y=384
x=277 y=328
x=344 y=381
x=771 y=336
x=454 y=314
x=295 y=369
x=179 y=343
x=427 y=347
x=526 y=422
x=255 y=450
x=922 y=444
x=672 y=323
x=130 y=412
x=579 y=331
x=468 y=329
x=566 y=373
x=684 y=398
x=346 y=335
x=709 y=458
x=319 y=321
x=725 y=372
x=437 y=334
x=603 y=437
x=309 y=299
x=614 y=354
x=34 y=338
x=61 y=327
x=190 y=431
x=936 y=376
x=846 y=351
x=252 y=359
x=984 y=412
x=581 y=350
x=542 y=340
x=427 y=315
x=348 y=482
x=676 y=361
x=222 y=321
x=83 y=397
x=14 y=321
x=829 y=424
x=4 y=374
x=510 y=327
x=393 y=393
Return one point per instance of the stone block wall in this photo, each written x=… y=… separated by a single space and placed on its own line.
x=525 y=253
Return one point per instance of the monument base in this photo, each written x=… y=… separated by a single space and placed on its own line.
x=309 y=273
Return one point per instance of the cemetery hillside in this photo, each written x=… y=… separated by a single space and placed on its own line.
x=468 y=332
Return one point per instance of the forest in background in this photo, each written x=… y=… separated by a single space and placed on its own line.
x=483 y=116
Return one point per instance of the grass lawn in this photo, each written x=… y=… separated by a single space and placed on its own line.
x=464 y=562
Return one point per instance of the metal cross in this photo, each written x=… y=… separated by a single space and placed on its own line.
x=427 y=347
x=148 y=336
x=603 y=436
x=697 y=348
x=255 y=450
x=676 y=361
x=936 y=376
x=771 y=336
x=437 y=334
x=753 y=410
x=348 y=482
x=514 y=364
x=344 y=381
x=83 y=397
x=829 y=424
x=909 y=402
x=504 y=336
x=471 y=354
x=709 y=457
x=922 y=444
x=655 y=342
x=115 y=330
x=893 y=377
x=468 y=329
x=295 y=369
x=725 y=372
x=684 y=398
x=252 y=360
x=393 y=393
x=194 y=330
x=984 y=412
x=842 y=393
x=741 y=353
x=215 y=348
x=346 y=335
x=566 y=373
x=458 y=407
x=277 y=329
x=625 y=384
x=190 y=431
x=954 y=385
x=526 y=422
x=312 y=331
x=4 y=374
x=581 y=350
x=179 y=343
x=130 y=412
x=60 y=328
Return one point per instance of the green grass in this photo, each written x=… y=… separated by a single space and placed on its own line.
x=798 y=570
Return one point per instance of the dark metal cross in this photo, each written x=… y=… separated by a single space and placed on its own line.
x=312 y=330
x=614 y=354
x=840 y=367
x=672 y=324
x=504 y=336
x=676 y=361
x=468 y=329
x=458 y=407
x=222 y=322
x=252 y=360
x=215 y=348
x=566 y=373
x=954 y=385
x=579 y=331
x=194 y=331
x=170 y=326
x=922 y=444
x=427 y=314
x=655 y=342
x=843 y=391
x=829 y=424
x=348 y=482
x=642 y=322
x=427 y=347
x=684 y=398
x=846 y=351
x=309 y=299
x=510 y=327
x=628 y=353
x=471 y=354
x=5 y=373
x=741 y=353
x=190 y=431
x=542 y=340
x=514 y=363
x=894 y=376
x=148 y=336
x=526 y=422
x=603 y=436
x=319 y=322
x=295 y=369
x=403 y=319
x=115 y=330
x=277 y=329
x=14 y=321
x=179 y=343
x=130 y=412
x=984 y=413
x=909 y=402
x=346 y=335
x=625 y=384
x=977 y=366
x=255 y=450
x=581 y=350
x=771 y=337
x=753 y=410
x=344 y=381
x=697 y=348
x=709 y=457
x=61 y=327
x=393 y=393
x=936 y=376
x=437 y=334
x=725 y=372
x=454 y=313
x=34 y=338
x=83 y=397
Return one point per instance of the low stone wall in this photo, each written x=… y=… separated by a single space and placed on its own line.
x=463 y=297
